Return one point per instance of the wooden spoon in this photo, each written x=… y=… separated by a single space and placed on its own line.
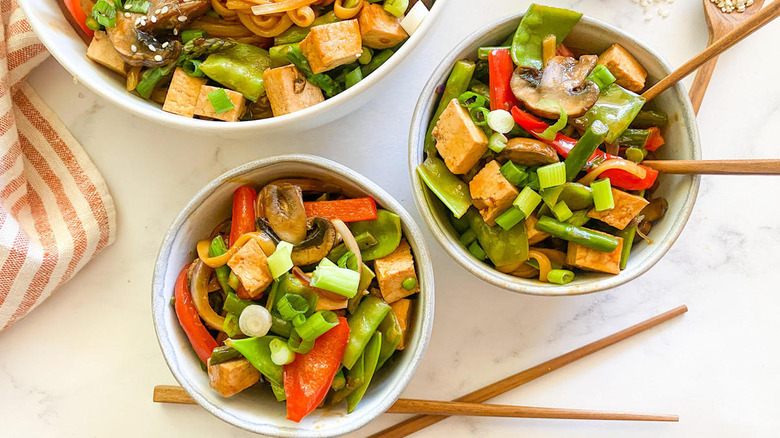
x=719 y=23
x=716 y=167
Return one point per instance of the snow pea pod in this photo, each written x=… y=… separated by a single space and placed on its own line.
x=450 y=189
x=503 y=247
x=290 y=284
x=362 y=325
x=616 y=108
x=386 y=228
x=537 y=23
x=370 y=358
x=391 y=337
x=239 y=68
x=258 y=352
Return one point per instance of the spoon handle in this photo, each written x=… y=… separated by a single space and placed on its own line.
x=716 y=167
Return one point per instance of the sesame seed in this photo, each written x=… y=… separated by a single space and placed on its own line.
x=175 y=31
x=157 y=11
x=154 y=19
x=134 y=48
x=127 y=14
x=164 y=10
x=165 y=44
x=151 y=47
x=157 y=58
x=137 y=21
x=182 y=18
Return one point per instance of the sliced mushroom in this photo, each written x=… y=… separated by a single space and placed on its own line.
x=317 y=245
x=563 y=80
x=529 y=152
x=283 y=208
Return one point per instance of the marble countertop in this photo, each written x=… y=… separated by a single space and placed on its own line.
x=85 y=362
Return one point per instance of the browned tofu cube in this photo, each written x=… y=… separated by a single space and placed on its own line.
x=103 y=52
x=459 y=141
x=289 y=91
x=379 y=28
x=230 y=378
x=330 y=45
x=591 y=260
x=392 y=270
x=251 y=267
x=491 y=192
x=534 y=236
x=627 y=206
x=330 y=301
x=628 y=72
x=182 y=96
x=402 y=310
x=204 y=108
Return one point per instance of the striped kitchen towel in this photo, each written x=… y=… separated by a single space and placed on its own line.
x=56 y=213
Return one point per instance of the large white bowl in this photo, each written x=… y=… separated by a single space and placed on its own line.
x=58 y=36
x=682 y=143
x=256 y=409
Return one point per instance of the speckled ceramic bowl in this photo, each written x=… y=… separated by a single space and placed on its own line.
x=682 y=143
x=256 y=409
x=48 y=21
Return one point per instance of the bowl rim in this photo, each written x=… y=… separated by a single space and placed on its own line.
x=293 y=120
x=413 y=235
x=490 y=275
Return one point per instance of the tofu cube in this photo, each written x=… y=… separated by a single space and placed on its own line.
x=330 y=45
x=591 y=260
x=628 y=72
x=204 y=108
x=251 y=267
x=379 y=28
x=103 y=52
x=402 y=308
x=491 y=192
x=392 y=270
x=534 y=236
x=459 y=141
x=627 y=206
x=182 y=96
x=330 y=301
x=289 y=91
x=230 y=378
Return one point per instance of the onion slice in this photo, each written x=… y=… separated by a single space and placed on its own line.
x=350 y=241
x=544 y=264
x=199 y=283
x=625 y=165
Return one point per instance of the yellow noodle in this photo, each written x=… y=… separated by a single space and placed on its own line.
x=346 y=13
x=238 y=5
x=323 y=2
x=133 y=75
x=303 y=16
x=221 y=9
x=544 y=264
x=263 y=26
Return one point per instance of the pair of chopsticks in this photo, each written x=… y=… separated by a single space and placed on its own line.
x=431 y=412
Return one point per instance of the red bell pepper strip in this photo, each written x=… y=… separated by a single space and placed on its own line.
x=307 y=379
x=563 y=51
x=348 y=210
x=655 y=140
x=500 y=68
x=243 y=213
x=78 y=15
x=190 y=322
x=562 y=144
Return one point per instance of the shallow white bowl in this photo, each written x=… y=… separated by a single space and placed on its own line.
x=682 y=143
x=58 y=36
x=256 y=409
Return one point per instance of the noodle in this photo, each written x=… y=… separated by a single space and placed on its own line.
x=544 y=264
x=303 y=16
x=133 y=75
x=222 y=10
x=214 y=262
x=632 y=168
x=267 y=25
x=346 y=13
x=218 y=28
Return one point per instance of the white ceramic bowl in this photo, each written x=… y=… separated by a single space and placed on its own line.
x=256 y=409
x=682 y=143
x=58 y=36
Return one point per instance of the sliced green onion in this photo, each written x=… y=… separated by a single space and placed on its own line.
x=551 y=175
x=484 y=52
x=497 y=142
x=396 y=7
x=291 y=305
x=552 y=130
x=477 y=251
x=230 y=326
x=346 y=260
x=479 y=116
x=470 y=99
x=137 y=6
x=602 y=195
x=636 y=154
x=601 y=76
x=353 y=77
x=328 y=262
x=233 y=281
x=562 y=211
x=409 y=283
x=104 y=13
x=510 y=218
x=341 y=281
x=560 y=276
x=191 y=34
x=527 y=201
x=234 y=304
x=513 y=173
x=366 y=56
x=298 y=345
x=92 y=23
x=151 y=77
x=220 y=101
x=467 y=237
x=317 y=325
x=192 y=67
x=255 y=321
x=280 y=262
x=500 y=121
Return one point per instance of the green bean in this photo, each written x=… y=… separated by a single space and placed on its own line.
x=223 y=354
x=582 y=151
x=457 y=83
x=650 y=118
x=627 y=234
x=234 y=304
x=218 y=248
x=582 y=236
x=362 y=325
x=634 y=137
x=483 y=52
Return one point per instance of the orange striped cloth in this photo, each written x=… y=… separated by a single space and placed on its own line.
x=56 y=212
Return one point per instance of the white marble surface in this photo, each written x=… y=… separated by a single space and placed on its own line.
x=84 y=363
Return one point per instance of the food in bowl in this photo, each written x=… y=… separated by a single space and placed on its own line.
x=305 y=288
x=536 y=153
x=244 y=60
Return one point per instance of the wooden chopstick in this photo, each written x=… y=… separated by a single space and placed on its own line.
x=419 y=422
x=752 y=24
x=716 y=167
x=177 y=394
